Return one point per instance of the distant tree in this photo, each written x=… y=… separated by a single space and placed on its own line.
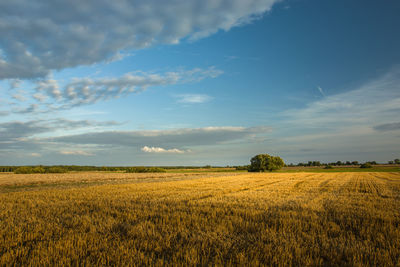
x=29 y=169
x=348 y=163
x=390 y=162
x=38 y=169
x=56 y=169
x=23 y=170
x=328 y=167
x=338 y=163
x=354 y=162
x=265 y=162
x=366 y=165
x=242 y=168
x=396 y=161
x=141 y=169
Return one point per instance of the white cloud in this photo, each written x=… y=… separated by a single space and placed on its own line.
x=193 y=98
x=35 y=154
x=76 y=153
x=38 y=37
x=80 y=91
x=161 y=150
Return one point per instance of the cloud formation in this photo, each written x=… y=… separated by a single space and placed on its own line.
x=25 y=138
x=80 y=91
x=161 y=150
x=17 y=130
x=12 y=132
x=193 y=98
x=178 y=138
x=38 y=37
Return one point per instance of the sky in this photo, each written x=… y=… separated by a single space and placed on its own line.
x=190 y=82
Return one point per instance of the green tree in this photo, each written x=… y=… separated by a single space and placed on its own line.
x=396 y=161
x=265 y=162
x=366 y=165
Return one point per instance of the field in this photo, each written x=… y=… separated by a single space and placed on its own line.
x=299 y=219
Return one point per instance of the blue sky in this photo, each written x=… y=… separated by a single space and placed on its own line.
x=198 y=82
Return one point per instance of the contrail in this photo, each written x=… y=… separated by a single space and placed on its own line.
x=320 y=90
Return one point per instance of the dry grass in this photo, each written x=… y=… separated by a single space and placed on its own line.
x=17 y=182
x=176 y=219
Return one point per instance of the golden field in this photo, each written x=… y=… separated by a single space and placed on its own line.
x=298 y=219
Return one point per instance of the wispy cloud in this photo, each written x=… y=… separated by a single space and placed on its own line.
x=161 y=150
x=51 y=94
x=20 y=96
x=320 y=90
x=346 y=123
x=98 y=31
x=17 y=130
x=165 y=138
x=387 y=127
x=40 y=97
x=77 y=153
x=376 y=101
x=193 y=98
x=30 y=109
x=15 y=83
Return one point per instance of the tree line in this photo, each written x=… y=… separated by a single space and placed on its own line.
x=265 y=162
x=341 y=163
x=75 y=168
x=261 y=162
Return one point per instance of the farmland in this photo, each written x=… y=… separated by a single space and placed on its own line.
x=307 y=218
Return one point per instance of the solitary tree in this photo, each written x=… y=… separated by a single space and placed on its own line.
x=265 y=162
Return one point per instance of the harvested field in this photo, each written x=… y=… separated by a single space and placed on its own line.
x=189 y=219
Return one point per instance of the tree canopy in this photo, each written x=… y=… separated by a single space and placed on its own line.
x=265 y=162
